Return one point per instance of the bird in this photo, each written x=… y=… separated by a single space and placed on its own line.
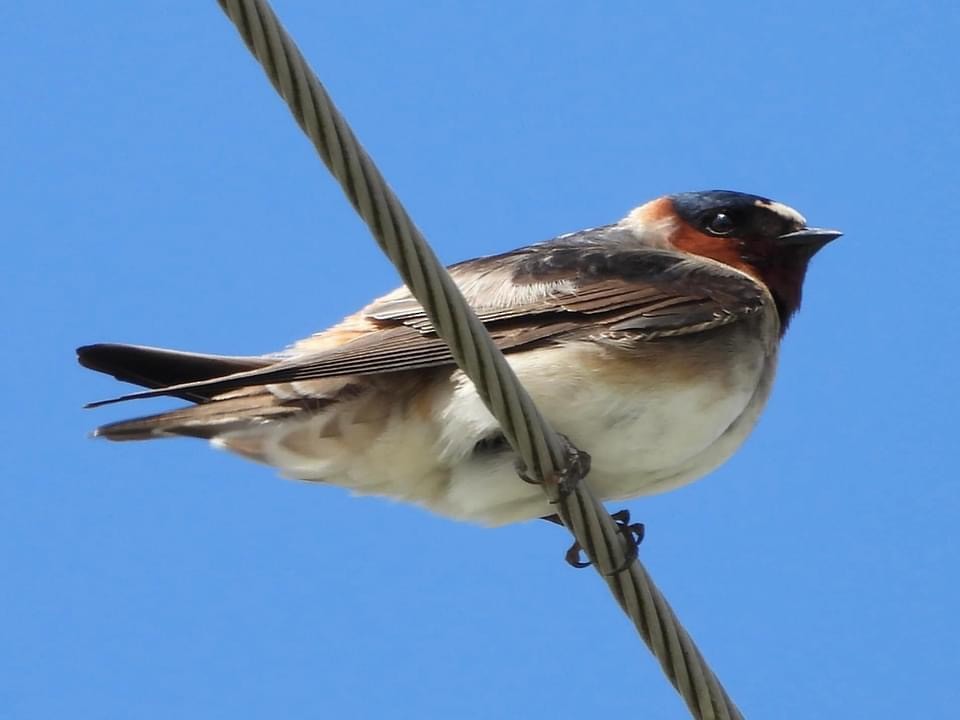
x=651 y=343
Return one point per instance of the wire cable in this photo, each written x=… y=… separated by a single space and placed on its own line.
x=548 y=457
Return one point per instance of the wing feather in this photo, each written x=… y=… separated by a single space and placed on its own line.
x=543 y=293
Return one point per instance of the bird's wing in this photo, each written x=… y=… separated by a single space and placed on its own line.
x=525 y=298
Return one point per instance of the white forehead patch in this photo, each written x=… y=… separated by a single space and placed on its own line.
x=650 y=225
x=784 y=211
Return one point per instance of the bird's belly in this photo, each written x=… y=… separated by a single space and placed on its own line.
x=648 y=426
x=649 y=429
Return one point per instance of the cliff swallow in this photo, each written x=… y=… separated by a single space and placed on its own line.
x=651 y=343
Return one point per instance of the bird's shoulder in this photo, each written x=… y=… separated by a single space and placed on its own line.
x=603 y=275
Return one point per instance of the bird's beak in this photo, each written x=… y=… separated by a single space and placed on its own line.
x=810 y=237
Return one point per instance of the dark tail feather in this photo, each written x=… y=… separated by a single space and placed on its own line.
x=157 y=368
x=205 y=421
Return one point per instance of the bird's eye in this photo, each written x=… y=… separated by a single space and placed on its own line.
x=720 y=224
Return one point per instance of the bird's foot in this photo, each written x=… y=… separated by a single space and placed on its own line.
x=575 y=469
x=632 y=534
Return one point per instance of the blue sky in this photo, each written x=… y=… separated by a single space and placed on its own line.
x=156 y=191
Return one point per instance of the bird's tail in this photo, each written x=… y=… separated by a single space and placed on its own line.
x=152 y=367
x=215 y=412
x=208 y=420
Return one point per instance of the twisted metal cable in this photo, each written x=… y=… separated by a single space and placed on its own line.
x=548 y=457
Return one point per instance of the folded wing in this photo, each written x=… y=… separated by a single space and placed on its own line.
x=541 y=294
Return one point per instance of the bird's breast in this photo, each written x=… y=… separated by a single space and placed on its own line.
x=652 y=416
x=637 y=410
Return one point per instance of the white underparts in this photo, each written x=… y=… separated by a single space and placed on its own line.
x=647 y=429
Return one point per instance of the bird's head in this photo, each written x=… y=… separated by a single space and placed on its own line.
x=766 y=239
